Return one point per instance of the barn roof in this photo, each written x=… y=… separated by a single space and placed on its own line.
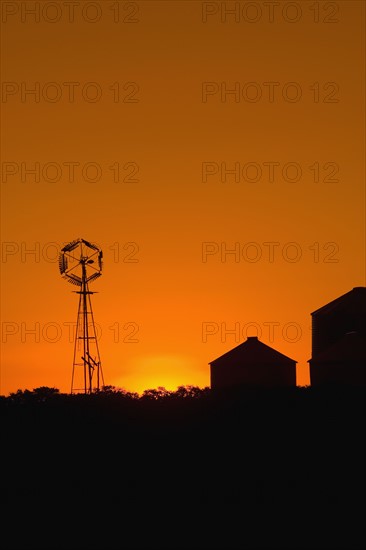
x=353 y=297
x=254 y=352
x=351 y=347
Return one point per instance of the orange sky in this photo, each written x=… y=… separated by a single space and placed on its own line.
x=144 y=89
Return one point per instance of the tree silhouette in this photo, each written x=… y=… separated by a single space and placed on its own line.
x=190 y=469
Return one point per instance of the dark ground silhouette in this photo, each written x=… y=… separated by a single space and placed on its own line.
x=250 y=469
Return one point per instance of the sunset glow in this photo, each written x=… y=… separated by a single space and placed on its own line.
x=218 y=163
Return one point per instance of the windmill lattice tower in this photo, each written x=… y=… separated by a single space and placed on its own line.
x=80 y=264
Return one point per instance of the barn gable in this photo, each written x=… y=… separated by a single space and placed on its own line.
x=253 y=363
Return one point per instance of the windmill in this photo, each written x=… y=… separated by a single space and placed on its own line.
x=80 y=264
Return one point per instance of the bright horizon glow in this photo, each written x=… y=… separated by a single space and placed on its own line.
x=156 y=371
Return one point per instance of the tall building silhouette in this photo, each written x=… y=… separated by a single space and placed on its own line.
x=338 y=340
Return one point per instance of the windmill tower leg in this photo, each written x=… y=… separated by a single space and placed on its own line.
x=96 y=363
x=77 y=344
x=86 y=349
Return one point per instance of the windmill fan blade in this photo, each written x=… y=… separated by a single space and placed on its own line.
x=93 y=277
x=63 y=263
x=71 y=246
x=73 y=279
x=76 y=283
x=91 y=245
x=100 y=260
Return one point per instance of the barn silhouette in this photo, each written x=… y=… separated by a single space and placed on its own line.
x=252 y=363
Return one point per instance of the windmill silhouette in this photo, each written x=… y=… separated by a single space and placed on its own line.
x=80 y=263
